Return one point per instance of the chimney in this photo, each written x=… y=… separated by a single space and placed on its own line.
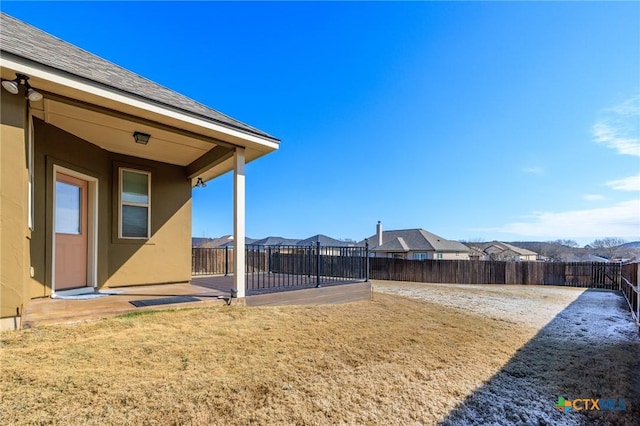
x=379 y=233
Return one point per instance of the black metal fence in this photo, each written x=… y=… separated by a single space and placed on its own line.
x=271 y=267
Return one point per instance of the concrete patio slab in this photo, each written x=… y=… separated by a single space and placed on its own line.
x=209 y=290
x=48 y=311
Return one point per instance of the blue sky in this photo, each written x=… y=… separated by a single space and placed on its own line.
x=484 y=120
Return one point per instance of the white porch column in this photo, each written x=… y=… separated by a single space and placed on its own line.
x=239 y=222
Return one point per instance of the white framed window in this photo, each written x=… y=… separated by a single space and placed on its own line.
x=135 y=204
x=420 y=256
x=438 y=255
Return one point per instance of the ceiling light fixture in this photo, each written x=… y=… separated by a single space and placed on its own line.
x=13 y=87
x=141 y=138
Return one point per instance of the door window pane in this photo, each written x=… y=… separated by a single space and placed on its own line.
x=68 y=208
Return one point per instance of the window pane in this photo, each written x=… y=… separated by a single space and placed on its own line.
x=67 y=208
x=135 y=187
x=134 y=221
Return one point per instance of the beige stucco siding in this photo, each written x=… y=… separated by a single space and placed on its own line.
x=455 y=256
x=431 y=255
x=164 y=257
x=54 y=147
x=14 y=232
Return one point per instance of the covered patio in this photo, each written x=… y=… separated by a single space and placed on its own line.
x=98 y=166
x=200 y=292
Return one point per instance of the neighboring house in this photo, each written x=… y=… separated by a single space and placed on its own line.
x=275 y=241
x=477 y=254
x=324 y=242
x=200 y=241
x=283 y=243
x=97 y=167
x=227 y=241
x=506 y=252
x=415 y=244
x=330 y=246
x=220 y=242
x=581 y=257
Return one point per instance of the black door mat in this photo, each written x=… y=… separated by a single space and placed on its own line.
x=163 y=301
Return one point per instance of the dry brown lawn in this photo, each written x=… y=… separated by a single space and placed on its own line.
x=393 y=360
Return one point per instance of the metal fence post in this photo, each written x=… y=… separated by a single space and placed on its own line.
x=366 y=253
x=638 y=296
x=318 y=264
x=226 y=260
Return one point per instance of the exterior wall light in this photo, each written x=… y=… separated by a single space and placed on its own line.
x=13 y=87
x=200 y=183
x=141 y=138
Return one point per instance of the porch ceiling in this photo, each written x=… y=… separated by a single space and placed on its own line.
x=115 y=134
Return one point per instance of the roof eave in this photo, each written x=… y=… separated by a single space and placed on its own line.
x=95 y=90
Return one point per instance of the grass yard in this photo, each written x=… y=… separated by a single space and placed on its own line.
x=394 y=360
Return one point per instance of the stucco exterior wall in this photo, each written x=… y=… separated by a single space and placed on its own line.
x=455 y=256
x=14 y=231
x=431 y=255
x=55 y=147
x=164 y=257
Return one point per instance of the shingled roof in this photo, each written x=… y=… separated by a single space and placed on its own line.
x=29 y=43
x=504 y=246
x=275 y=241
x=415 y=240
x=324 y=241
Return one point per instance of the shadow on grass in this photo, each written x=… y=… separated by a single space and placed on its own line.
x=589 y=350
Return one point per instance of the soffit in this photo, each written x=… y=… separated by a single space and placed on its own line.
x=115 y=134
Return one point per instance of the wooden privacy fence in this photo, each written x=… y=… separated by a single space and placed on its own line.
x=211 y=261
x=576 y=274
x=344 y=263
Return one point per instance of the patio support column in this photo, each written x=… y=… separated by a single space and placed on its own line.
x=239 y=222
